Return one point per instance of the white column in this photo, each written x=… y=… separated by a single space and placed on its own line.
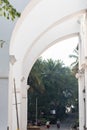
x=24 y=88
x=83 y=75
x=85 y=50
x=3 y=102
x=81 y=91
x=10 y=91
x=81 y=101
x=16 y=108
x=81 y=80
x=10 y=99
x=14 y=88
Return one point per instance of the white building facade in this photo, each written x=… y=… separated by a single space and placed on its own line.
x=42 y=24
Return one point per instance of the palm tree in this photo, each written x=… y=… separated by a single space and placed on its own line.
x=35 y=78
x=74 y=65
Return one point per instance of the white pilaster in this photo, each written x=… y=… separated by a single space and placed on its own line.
x=14 y=100
x=83 y=74
x=3 y=102
x=23 y=118
x=81 y=80
x=81 y=101
x=85 y=50
x=10 y=99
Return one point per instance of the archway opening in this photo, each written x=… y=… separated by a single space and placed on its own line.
x=53 y=92
x=32 y=37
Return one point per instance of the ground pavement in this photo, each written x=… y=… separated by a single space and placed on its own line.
x=53 y=127
x=65 y=125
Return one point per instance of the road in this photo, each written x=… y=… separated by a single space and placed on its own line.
x=65 y=125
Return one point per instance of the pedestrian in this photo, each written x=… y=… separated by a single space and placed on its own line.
x=48 y=124
x=58 y=124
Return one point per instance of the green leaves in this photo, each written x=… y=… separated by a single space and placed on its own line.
x=7 y=10
x=59 y=84
x=35 y=80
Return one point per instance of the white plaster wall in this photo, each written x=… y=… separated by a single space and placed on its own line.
x=6 y=28
x=4 y=68
x=3 y=103
x=4 y=60
x=35 y=26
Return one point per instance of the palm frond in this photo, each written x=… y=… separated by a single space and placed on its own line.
x=74 y=65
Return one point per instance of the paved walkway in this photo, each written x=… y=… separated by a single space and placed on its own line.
x=53 y=127
x=65 y=125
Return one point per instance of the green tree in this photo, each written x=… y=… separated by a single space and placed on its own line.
x=35 y=79
x=7 y=11
x=59 y=85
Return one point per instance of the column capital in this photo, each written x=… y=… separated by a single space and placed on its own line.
x=84 y=65
x=80 y=73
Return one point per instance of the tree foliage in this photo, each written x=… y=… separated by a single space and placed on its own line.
x=35 y=79
x=75 y=64
x=7 y=10
x=60 y=88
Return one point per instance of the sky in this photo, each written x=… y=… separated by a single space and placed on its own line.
x=6 y=29
x=61 y=51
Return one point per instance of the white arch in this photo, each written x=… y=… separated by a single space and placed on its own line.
x=42 y=24
x=36 y=22
x=58 y=33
